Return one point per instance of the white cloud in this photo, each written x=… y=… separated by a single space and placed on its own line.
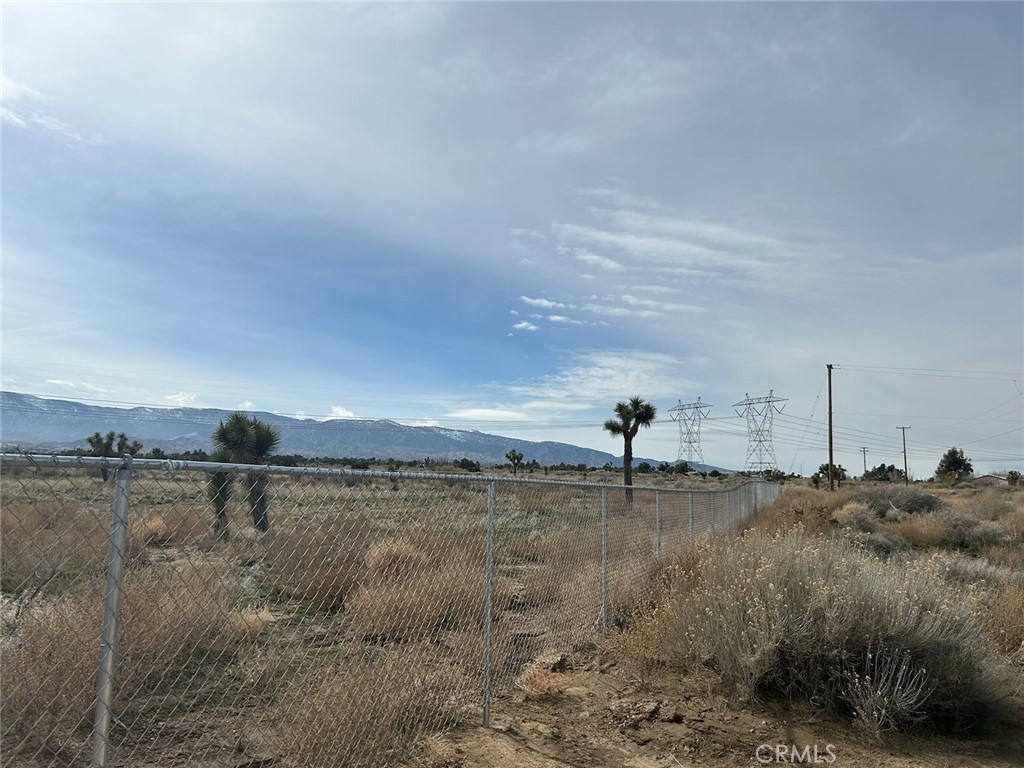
x=599 y=378
x=525 y=326
x=532 y=233
x=543 y=303
x=713 y=234
x=564 y=319
x=340 y=412
x=245 y=405
x=488 y=414
x=607 y=311
x=595 y=260
x=182 y=399
x=661 y=306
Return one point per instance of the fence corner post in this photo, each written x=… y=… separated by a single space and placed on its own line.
x=657 y=524
x=104 y=711
x=604 y=558
x=488 y=603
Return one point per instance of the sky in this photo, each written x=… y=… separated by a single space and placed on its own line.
x=509 y=217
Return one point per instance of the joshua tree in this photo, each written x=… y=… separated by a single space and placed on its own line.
x=245 y=440
x=219 y=490
x=515 y=458
x=630 y=417
x=102 y=446
x=123 y=446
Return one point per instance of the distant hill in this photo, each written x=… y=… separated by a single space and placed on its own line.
x=27 y=421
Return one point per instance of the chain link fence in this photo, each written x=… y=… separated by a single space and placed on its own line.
x=148 y=619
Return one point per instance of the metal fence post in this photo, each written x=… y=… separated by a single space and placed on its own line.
x=488 y=603
x=604 y=558
x=104 y=711
x=689 y=523
x=657 y=524
x=713 y=495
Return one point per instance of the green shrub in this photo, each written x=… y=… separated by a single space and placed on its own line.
x=818 y=619
x=883 y=499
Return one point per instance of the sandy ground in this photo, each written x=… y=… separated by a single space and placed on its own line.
x=593 y=714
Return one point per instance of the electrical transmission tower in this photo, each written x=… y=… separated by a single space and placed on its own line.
x=759 y=412
x=689 y=417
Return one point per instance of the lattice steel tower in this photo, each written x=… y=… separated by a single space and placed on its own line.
x=689 y=417
x=759 y=412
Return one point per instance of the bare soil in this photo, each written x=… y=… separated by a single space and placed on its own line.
x=597 y=716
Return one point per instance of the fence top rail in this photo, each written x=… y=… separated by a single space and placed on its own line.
x=39 y=461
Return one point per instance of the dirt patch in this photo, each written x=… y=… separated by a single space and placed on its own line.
x=597 y=716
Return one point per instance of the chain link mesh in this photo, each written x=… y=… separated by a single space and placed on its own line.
x=348 y=630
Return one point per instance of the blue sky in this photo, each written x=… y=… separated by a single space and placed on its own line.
x=507 y=217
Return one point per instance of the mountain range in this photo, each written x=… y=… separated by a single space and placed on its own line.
x=28 y=422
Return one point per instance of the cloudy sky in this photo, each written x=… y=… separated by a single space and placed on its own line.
x=507 y=217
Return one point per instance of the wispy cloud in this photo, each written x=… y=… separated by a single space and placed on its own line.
x=595 y=260
x=598 y=378
x=489 y=414
x=542 y=303
x=525 y=326
x=661 y=306
x=183 y=399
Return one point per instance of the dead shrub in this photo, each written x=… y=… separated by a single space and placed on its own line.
x=856 y=516
x=172 y=526
x=926 y=530
x=883 y=499
x=43 y=540
x=170 y=619
x=810 y=509
x=330 y=718
x=322 y=563
x=815 y=618
x=421 y=585
x=1004 y=620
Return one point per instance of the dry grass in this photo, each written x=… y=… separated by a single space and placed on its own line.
x=857 y=516
x=420 y=585
x=816 y=618
x=1004 y=620
x=805 y=507
x=883 y=499
x=318 y=562
x=949 y=528
x=331 y=718
x=169 y=620
x=43 y=540
x=171 y=526
x=925 y=530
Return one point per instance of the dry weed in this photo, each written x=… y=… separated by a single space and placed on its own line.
x=318 y=562
x=331 y=718
x=42 y=541
x=169 y=619
x=1004 y=620
x=421 y=585
x=817 y=618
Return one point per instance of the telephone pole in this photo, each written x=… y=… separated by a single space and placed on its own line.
x=864 y=451
x=906 y=473
x=831 y=460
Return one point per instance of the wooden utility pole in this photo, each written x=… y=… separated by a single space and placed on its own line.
x=864 y=451
x=906 y=473
x=831 y=461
